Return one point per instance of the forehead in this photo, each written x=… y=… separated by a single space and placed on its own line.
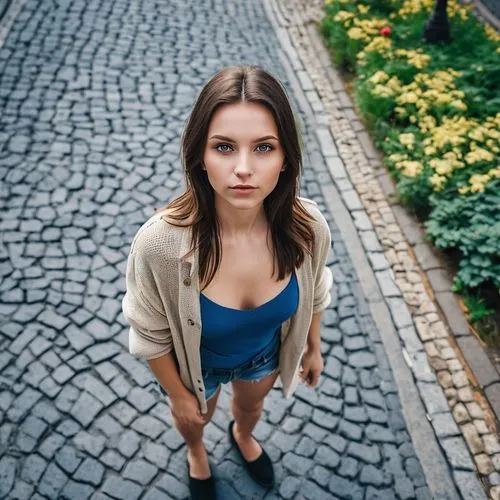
x=243 y=118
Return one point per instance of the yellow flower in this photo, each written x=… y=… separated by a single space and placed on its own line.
x=463 y=190
x=494 y=172
x=429 y=150
x=477 y=155
x=394 y=84
x=443 y=99
x=491 y=33
x=427 y=123
x=379 y=44
x=410 y=168
x=397 y=157
x=363 y=9
x=442 y=167
x=479 y=178
x=437 y=182
x=379 y=77
x=343 y=15
x=407 y=140
x=407 y=98
x=382 y=90
x=459 y=105
x=356 y=34
x=477 y=188
x=477 y=135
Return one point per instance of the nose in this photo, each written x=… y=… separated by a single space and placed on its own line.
x=243 y=166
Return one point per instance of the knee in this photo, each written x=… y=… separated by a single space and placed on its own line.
x=189 y=428
x=248 y=406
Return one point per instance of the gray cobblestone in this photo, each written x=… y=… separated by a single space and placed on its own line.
x=173 y=487
x=289 y=487
x=117 y=487
x=22 y=491
x=457 y=453
x=104 y=136
x=112 y=459
x=77 y=490
x=90 y=471
x=86 y=408
x=140 y=471
x=327 y=457
x=349 y=430
x=293 y=463
x=7 y=474
x=342 y=487
x=52 y=481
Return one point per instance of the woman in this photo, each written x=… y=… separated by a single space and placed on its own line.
x=227 y=283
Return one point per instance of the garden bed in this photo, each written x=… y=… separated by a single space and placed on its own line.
x=433 y=110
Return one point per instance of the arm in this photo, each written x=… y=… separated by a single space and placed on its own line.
x=313 y=337
x=312 y=361
x=150 y=337
x=167 y=374
x=184 y=405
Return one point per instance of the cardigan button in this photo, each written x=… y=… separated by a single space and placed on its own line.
x=190 y=322
x=187 y=281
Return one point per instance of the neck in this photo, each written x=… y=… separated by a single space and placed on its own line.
x=240 y=223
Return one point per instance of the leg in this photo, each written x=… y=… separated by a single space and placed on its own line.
x=193 y=435
x=246 y=406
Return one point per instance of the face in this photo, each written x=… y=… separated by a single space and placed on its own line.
x=243 y=149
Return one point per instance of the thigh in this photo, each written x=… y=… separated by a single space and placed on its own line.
x=211 y=405
x=250 y=393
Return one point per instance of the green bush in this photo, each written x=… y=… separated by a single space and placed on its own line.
x=444 y=99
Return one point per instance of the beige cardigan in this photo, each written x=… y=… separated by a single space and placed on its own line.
x=162 y=302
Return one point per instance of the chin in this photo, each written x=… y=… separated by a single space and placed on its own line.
x=243 y=204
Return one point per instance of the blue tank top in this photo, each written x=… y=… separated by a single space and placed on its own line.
x=231 y=337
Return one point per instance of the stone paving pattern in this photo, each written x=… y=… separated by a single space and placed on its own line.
x=93 y=98
x=430 y=349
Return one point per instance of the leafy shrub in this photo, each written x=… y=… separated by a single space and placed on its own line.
x=434 y=111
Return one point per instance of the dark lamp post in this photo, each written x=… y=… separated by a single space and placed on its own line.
x=436 y=27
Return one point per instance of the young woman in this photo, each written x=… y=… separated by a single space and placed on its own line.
x=227 y=282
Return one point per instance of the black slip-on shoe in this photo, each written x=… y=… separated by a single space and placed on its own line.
x=201 y=489
x=260 y=469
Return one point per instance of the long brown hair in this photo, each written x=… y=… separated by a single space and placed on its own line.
x=289 y=222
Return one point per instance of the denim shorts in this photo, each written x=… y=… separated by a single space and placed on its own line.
x=254 y=370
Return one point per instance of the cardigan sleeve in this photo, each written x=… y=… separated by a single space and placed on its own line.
x=149 y=334
x=323 y=274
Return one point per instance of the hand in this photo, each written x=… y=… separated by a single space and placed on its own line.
x=186 y=410
x=312 y=366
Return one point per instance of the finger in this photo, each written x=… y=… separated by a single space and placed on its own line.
x=313 y=378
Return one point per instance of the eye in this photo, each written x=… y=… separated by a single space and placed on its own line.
x=266 y=146
x=223 y=146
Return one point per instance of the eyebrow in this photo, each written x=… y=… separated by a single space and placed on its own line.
x=228 y=139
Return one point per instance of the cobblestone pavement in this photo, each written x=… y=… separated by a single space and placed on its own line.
x=93 y=98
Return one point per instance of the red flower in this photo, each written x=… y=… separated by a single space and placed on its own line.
x=385 y=31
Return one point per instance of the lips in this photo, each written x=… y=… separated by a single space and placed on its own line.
x=243 y=187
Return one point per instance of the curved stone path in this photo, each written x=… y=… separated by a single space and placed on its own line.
x=93 y=99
